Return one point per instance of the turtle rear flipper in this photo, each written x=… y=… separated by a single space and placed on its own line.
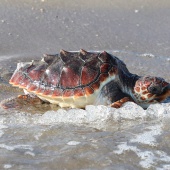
x=20 y=101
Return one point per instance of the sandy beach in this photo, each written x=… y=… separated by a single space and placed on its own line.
x=42 y=26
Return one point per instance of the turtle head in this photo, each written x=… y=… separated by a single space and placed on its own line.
x=150 y=89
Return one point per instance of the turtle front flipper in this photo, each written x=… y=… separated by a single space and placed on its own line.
x=120 y=102
x=20 y=101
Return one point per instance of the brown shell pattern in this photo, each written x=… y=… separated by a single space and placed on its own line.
x=65 y=74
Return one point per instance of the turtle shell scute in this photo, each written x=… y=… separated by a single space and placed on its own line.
x=90 y=71
x=78 y=92
x=68 y=93
x=104 y=57
x=95 y=85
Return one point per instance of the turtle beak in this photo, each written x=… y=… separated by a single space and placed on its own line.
x=165 y=94
x=168 y=90
x=168 y=93
x=169 y=86
x=166 y=85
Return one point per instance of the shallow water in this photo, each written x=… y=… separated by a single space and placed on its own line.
x=98 y=137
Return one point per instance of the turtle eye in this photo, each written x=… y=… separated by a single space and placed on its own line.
x=154 y=90
x=164 y=84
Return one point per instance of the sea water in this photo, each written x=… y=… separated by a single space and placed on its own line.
x=97 y=137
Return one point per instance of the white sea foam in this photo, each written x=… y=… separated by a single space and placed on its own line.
x=164 y=167
x=3 y=126
x=100 y=115
x=1 y=133
x=96 y=116
x=148 y=137
x=73 y=143
x=130 y=111
x=147 y=55
x=91 y=115
x=7 y=166
x=11 y=148
x=1 y=129
x=148 y=157
x=37 y=136
x=158 y=110
x=30 y=153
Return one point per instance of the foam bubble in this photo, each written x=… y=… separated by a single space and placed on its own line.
x=130 y=111
x=92 y=114
x=37 y=136
x=7 y=166
x=124 y=147
x=3 y=126
x=30 y=153
x=147 y=159
x=157 y=110
x=147 y=55
x=148 y=137
x=164 y=167
x=11 y=148
x=1 y=133
x=73 y=143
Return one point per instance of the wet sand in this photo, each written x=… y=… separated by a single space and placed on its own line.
x=46 y=26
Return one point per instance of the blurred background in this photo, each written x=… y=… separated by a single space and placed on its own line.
x=45 y=26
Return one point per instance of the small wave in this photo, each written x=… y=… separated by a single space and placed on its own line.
x=7 y=57
x=95 y=116
x=149 y=55
x=148 y=157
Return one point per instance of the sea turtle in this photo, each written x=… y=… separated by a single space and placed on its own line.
x=77 y=79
